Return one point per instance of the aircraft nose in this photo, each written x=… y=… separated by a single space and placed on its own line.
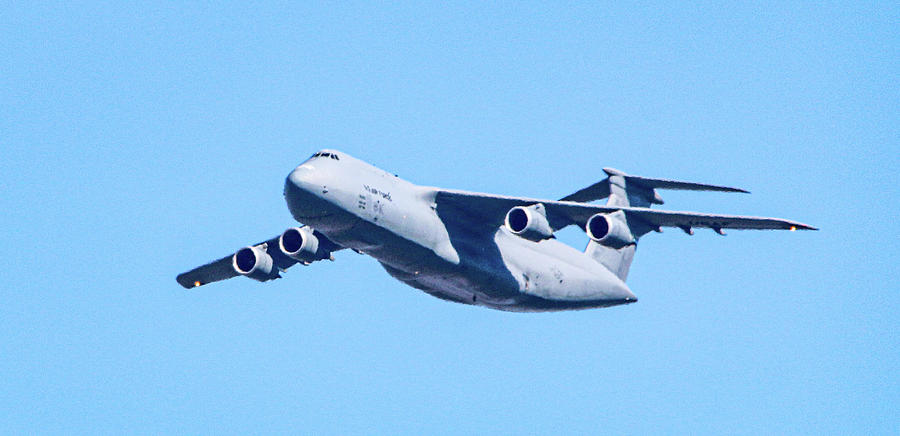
x=300 y=176
x=302 y=179
x=303 y=188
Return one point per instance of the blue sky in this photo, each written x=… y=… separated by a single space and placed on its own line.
x=141 y=140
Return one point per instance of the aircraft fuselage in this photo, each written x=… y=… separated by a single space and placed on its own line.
x=361 y=207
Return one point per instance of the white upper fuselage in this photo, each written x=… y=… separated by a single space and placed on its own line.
x=439 y=249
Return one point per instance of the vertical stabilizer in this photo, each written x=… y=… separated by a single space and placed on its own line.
x=618 y=260
x=624 y=190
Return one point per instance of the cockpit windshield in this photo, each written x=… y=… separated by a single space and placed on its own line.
x=325 y=154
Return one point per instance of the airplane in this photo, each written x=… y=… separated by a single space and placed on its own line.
x=480 y=249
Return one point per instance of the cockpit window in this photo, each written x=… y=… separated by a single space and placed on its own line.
x=326 y=154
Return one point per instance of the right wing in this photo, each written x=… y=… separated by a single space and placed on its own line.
x=687 y=220
x=223 y=268
x=490 y=210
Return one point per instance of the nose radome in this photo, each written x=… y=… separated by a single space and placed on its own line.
x=305 y=178
x=298 y=182
x=303 y=190
x=300 y=176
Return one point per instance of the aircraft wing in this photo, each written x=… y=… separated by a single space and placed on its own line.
x=491 y=210
x=212 y=272
x=686 y=220
x=223 y=269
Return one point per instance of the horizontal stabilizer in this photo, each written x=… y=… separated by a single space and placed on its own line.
x=645 y=186
x=671 y=184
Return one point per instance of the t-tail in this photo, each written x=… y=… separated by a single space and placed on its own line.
x=627 y=191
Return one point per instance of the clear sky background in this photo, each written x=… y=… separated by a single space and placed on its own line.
x=141 y=140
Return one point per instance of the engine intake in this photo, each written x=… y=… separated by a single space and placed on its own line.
x=255 y=263
x=529 y=222
x=299 y=243
x=609 y=230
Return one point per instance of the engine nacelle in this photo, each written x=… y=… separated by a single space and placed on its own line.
x=529 y=222
x=255 y=263
x=299 y=243
x=609 y=230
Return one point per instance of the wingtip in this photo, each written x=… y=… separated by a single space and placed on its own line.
x=186 y=282
x=728 y=189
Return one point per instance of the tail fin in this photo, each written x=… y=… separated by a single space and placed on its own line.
x=618 y=261
x=624 y=190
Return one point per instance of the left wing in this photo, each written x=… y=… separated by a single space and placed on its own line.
x=212 y=272
x=224 y=269
x=491 y=210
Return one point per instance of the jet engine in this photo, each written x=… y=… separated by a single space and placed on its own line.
x=255 y=263
x=299 y=243
x=529 y=222
x=609 y=230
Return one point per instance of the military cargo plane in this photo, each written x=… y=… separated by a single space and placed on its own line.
x=468 y=247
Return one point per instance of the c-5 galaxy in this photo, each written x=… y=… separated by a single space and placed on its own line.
x=468 y=247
